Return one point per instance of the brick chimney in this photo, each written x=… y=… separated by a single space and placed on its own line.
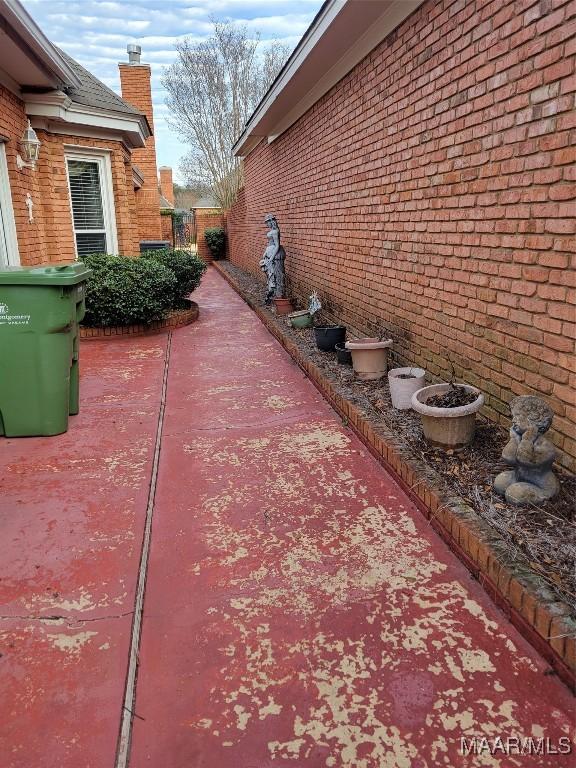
x=136 y=90
x=166 y=183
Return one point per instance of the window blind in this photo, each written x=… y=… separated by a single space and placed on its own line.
x=87 y=209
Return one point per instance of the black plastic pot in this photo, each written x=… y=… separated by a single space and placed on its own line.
x=343 y=355
x=328 y=336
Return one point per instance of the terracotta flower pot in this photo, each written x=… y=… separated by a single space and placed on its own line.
x=401 y=390
x=369 y=357
x=283 y=306
x=447 y=427
x=301 y=319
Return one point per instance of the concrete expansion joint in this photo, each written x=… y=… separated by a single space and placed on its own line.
x=128 y=714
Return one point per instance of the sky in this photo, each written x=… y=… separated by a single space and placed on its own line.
x=96 y=32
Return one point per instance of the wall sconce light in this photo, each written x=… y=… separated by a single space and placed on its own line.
x=30 y=148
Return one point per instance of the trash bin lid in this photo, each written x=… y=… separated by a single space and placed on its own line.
x=46 y=274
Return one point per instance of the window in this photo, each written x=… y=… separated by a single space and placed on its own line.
x=8 y=242
x=90 y=184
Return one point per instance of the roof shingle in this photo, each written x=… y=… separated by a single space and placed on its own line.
x=93 y=92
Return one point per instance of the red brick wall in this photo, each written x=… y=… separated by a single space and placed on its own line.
x=55 y=200
x=166 y=183
x=431 y=193
x=50 y=236
x=13 y=121
x=205 y=219
x=167 y=231
x=238 y=232
x=136 y=90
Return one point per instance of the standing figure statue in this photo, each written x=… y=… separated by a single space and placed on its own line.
x=272 y=261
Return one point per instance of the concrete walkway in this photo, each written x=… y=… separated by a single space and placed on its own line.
x=298 y=609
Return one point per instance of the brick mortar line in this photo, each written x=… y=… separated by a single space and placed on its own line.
x=523 y=606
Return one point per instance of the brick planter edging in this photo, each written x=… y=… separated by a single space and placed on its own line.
x=523 y=597
x=176 y=319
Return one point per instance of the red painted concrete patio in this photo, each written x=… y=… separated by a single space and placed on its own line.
x=298 y=609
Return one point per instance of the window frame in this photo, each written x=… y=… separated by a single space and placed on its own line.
x=102 y=159
x=8 y=223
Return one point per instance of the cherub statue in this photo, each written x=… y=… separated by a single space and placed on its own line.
x=272 y=261
x=529 y=453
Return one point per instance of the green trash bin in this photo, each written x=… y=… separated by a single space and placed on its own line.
x=40 y=309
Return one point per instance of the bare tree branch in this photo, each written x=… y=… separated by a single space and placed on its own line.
x=213 y=87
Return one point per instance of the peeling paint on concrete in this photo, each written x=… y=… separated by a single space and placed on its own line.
x=145 y=354
x=71 y=644
x=296 y=600
x=71 y=511
x=278 y=403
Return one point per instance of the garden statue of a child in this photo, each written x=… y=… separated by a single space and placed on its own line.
x=272 y=261
x=529 y=453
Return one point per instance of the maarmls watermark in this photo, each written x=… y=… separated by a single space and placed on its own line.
x=515 y=745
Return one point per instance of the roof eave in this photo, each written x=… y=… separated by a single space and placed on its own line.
x=17 y=18
x=133 y=128
x=341 y=35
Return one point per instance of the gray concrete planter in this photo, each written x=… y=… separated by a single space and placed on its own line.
x=447 y=427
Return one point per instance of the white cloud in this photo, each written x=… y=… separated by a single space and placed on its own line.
x=130 y=25
x=96 y=32
x=279 y=26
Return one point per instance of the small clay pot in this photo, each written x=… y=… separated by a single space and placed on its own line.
x=301 y=319
x=327 y=336
x=283 y=306
x=447 y=427
x=343 y=355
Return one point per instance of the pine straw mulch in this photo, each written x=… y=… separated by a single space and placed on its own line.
x=541 y=539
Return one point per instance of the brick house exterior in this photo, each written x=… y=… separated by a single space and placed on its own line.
x=426 y=187
x=82 y=125
x=206 y=218
x=166 y=185
x=136 y=89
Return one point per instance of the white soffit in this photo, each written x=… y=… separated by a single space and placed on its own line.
x=27 y=57
x=57 y=113
x=344 y=33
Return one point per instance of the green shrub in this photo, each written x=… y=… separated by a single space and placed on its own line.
x=126 y=291
x=187 y=267
x=216 y=240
